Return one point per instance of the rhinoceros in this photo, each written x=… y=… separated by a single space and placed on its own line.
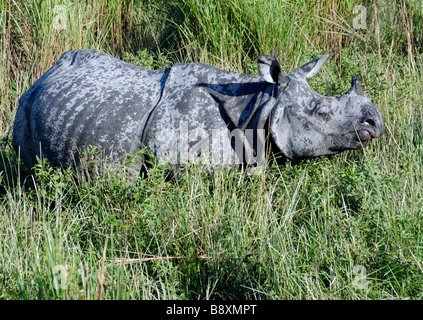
x=187 y=112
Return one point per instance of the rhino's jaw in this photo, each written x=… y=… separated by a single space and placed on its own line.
x=364 y=136
x=367 y=130
x=353 y=140
x=371 y=130
x=303 y=144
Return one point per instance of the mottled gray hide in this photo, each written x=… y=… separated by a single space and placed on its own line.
x=185 y=113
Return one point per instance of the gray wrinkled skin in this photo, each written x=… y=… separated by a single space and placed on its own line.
x=89 y=98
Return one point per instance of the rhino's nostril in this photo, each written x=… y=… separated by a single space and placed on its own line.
x=370 y=122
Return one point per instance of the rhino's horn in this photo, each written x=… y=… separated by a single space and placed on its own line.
x=355 y=87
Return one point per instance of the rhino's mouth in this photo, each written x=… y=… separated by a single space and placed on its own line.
x=364 y=136
x=360 y=137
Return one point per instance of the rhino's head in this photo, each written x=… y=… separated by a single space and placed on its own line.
x=306 y=124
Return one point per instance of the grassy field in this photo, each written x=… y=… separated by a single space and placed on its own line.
x=343 y=227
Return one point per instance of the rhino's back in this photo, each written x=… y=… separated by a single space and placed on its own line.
x=86 y=98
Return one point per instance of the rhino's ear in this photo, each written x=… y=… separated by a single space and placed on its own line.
x=270 y=70
x=309 y=69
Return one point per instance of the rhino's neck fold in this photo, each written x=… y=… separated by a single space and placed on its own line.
x=163 y=81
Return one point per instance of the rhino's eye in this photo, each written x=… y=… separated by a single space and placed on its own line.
x=322 y=113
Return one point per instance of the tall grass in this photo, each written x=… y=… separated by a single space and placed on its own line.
x=344 y=227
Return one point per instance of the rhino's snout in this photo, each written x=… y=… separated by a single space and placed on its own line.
x=369 y=122
x=373 y=123
x=372 y=129
x=370 y=126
